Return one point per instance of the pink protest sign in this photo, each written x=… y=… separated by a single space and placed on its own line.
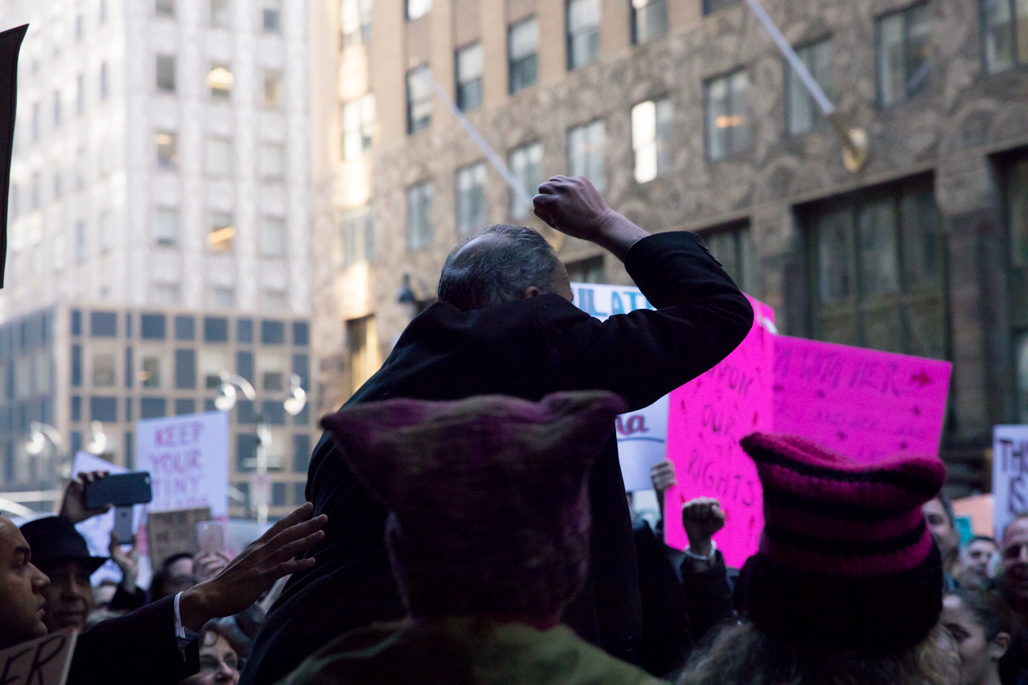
x=863 y=403
x=707 y=418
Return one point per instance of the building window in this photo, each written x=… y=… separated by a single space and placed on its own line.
x=469 y=77
x=185 y=328
x=470 y=198
x=801 y=111
x=1017 y=278
x=103 y=324
x=222 y=233
x=733 y=247
x=355 y=22
x=583 y=32
x=419 y=100
x=244 y=335
x=526 y=163
x=1004 y=34
x=103 y=369
x=166 y=226
x=152 y=407
x=273 y=237
x=222 y=298
x=185 y=369
x=219 y=156
x=649 y=20
x=272 y=161
x=358 y=236
x=166 y=293
x=362 y=350
x=587 y=271
x=80 y=94
x=418 y=8
x=728 y=124
x=152 y=326
x=710 y=6
x=651 y=139
x=166 y=73
x=523 y=53
x=215 y=329
x=904 y=54
x=586 y=153
x=271 y=16
x=219 y=80
x=167 y=149
x=220 y=13
x=272 y=88
x=164 y=8
x=419 y=216
x=273 y=332
x=358 y=126
x=876 y=265
x=103 y=409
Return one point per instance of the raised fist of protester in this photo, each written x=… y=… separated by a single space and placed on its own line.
x=73 y=506
x=127 y=561
x=573 y=206
x=662 y=476
x=701 y=518
x=253 y=572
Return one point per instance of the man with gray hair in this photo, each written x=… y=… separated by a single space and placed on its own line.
x=505 y=325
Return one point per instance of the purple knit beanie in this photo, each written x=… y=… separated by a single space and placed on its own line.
x=489 y=512
x=845 y=559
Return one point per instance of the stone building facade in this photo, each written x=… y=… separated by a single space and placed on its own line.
x=923 y=251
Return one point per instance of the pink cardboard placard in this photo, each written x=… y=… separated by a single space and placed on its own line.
x=707 y=418
x=863 y=403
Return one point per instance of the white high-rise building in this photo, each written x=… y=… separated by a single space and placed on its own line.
x=161 y=175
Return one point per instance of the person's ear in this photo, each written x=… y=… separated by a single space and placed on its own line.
x=531 y=291
x=999 y=646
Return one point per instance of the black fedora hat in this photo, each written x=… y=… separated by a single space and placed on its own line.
x=54 y=539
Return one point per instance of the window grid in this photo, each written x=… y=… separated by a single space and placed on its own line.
x=651 y=139
x=470 y=199
x=523 y=55
x=526 y=163
x=419 y=100
x=903 y=54
x=358 y=236
x=358 y=126
x=586 y=146
x=1004 y=34
x=727 y=117
x=468 y=65
x=583 y=39
x=802 y=113
x=355 y=22
x=649 y=20
x=419 y=216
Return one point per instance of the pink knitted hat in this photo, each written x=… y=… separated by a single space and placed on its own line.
x=489 y=513
x=845 y=557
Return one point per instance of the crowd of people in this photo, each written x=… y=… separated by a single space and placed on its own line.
x=467 y=520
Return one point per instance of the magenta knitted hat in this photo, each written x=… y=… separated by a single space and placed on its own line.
x=845 y=559
x=489 y=512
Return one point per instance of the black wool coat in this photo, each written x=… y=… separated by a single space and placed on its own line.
x=527 y=349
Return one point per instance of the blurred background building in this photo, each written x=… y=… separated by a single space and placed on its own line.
x=685 y=115
x=159 y=228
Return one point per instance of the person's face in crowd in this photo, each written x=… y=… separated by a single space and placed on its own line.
x=69 y=598
x=979 y=658
x=1015 y=558
x=21 y=588
x=975 y=560
x=218 y=662
x=938 y=524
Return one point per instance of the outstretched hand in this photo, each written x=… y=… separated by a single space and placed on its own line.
x=573 y=206
x=248 y=576
x=662 y=475
x=73 y=505
x=127 y=561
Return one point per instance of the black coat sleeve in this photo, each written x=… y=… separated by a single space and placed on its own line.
x=136 y=648
x=708 y=596
x=701 y=317
x=126 y=601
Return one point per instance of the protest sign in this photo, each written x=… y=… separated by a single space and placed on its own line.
x=641 y=435
x=172 y=532
x=43 y=661
x=707 y=418
x=1009 y=474
x=187 y=457
x=863 y=403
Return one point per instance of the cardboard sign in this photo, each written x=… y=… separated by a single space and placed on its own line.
x=641 y=435
x=187 y=457
x=43 y=661
x=1009 y=474
x=708 y=417
x=863 y=403
x=172 y=532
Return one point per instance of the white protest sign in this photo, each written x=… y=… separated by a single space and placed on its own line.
x=97 y=529
x=43 y=661
x=1009 y=474
x=187 y=457
x=641 y=435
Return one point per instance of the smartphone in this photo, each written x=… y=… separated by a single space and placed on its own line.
x=121 y=490
x=123 y=524
x=211 y=537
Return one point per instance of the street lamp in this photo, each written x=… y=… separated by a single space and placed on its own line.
x=293 y=404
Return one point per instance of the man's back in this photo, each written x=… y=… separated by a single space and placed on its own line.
x=525 y=348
